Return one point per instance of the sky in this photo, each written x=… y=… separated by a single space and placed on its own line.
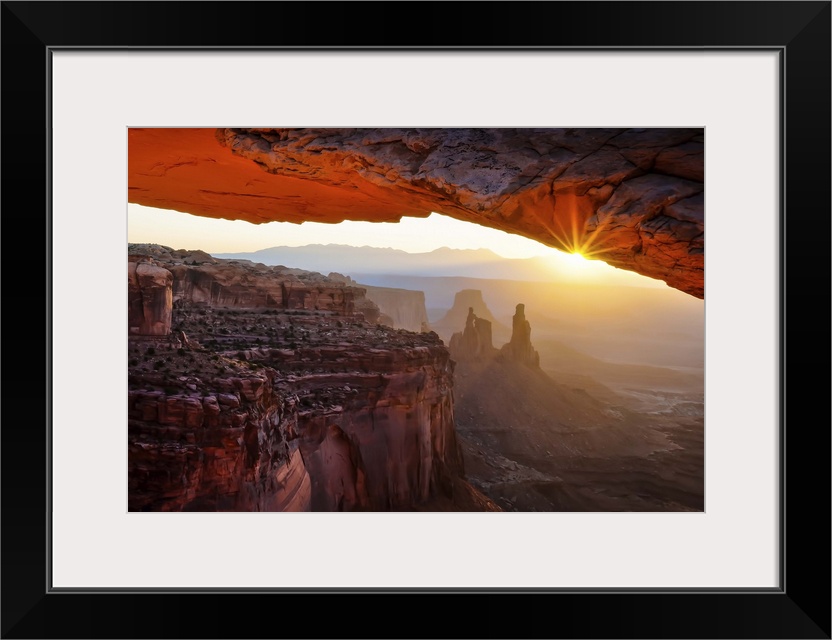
x=414 y=235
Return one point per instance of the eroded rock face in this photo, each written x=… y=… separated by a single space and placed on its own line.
x=375 y=423
x=149 y=298
x=403 y=308
x=630 y=197
x=197 y=278
x=475 y=341
x=271 y=409
x=520 y=348
x=212 y=443
x=396 y=308
x=466 y=302
x=325 y=437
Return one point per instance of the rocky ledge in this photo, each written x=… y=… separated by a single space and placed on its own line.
x=266 y=407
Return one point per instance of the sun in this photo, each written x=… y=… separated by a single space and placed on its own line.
x=573 y=265
x=576 y=264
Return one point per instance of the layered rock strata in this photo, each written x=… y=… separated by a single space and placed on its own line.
x=375 y=421
x=400 y=308
x=149 y=299
x=195 y=277
x=273 y=408
x=633 y=198
x=397 y=308
x=211 y=435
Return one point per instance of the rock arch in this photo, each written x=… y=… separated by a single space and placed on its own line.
x=633 y=198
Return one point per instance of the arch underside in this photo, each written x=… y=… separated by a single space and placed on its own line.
x=633 y=198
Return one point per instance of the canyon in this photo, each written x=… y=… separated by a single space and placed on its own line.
x=255 y=387
x=582 y=434
x=271 y=392
x=568 y=443
x=258 y=388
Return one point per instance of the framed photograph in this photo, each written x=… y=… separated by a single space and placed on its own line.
x=90 y=546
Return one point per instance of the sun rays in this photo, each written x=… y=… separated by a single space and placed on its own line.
x=570 y=228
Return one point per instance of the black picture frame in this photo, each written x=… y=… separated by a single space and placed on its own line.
x=799 y=608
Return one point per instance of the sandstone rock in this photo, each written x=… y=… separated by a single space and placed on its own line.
x=403 y=308
x=228 y=400
x=149 y=295
x=364 y=307
x=474 y=342
x=355 y=417
x=198 y=278
x=546 y=184
x=214 y=452
x=520 y=347
x=457 y=315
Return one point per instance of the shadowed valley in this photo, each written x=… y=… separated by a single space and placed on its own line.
x=265 y=387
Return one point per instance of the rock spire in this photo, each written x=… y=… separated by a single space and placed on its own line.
x=520 y=347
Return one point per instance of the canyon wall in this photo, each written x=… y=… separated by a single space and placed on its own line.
x=633 y=198
x=403 y=308
x=267 y=408
x=378 y=438
x=159 y=277
x=198 y=278
x=149 y=299
x=375 y=423
x=215 y=443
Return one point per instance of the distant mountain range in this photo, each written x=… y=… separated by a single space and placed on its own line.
x=346 y=259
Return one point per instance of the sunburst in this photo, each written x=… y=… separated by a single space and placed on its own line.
x=568 y=229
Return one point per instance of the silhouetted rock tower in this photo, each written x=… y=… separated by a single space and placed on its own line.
x=474 y=342
x=520 y=347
